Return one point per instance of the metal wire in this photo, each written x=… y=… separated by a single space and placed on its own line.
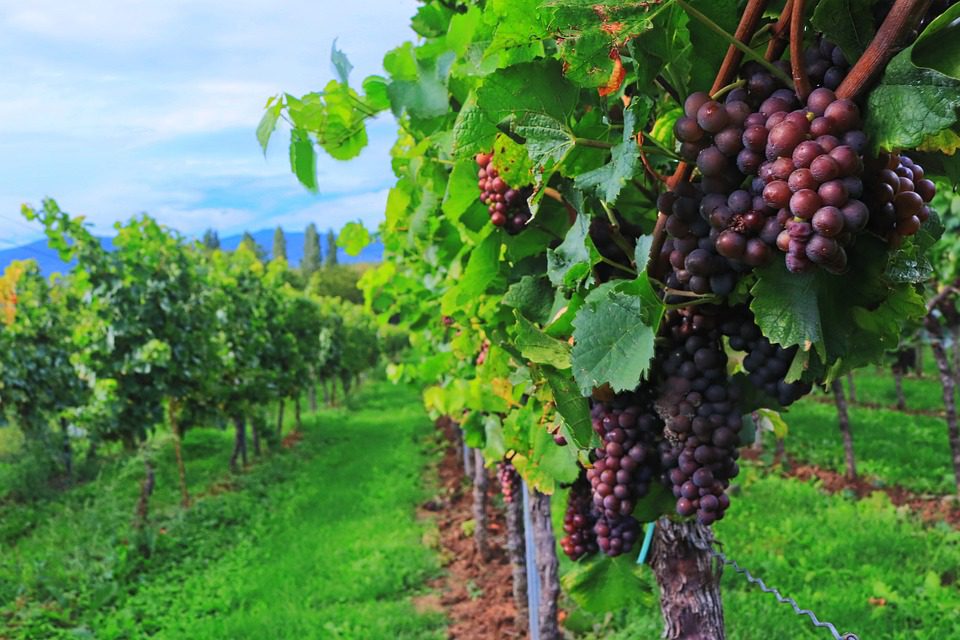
x=781 y=599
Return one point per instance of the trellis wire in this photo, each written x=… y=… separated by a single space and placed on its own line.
x=533 y=576
x=781 y=598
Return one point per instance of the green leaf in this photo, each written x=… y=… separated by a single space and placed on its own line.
x=847 y=23
x=548 y=140
x=483 y=268
x=613 y=341
x=938 y=47
x=709 y=48
x=608 y=180
x=531 y=88
x=538 y=347
x=268 y=123
x=911 y=104
x=845 y=327
x=600 y=583
x=473 y=131
x=303 y=158
x=772 y=421
x=375 y=93
x=353 y=238
x=576 y=255
x=532 y=296
x=571 y=405
x=341 y=64
x=462 y=191
x=425 y=96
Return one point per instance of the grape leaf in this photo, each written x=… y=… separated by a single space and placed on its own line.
x=268 y=123
x=571 y=405
x=938 y=47
x=613 y=342
x=538 y=347
x=341 y=64
x=847 y=23
x=462 y=191
x=845 y=327
x=608 y=180
x=535 y=87
x=532 y=296
x=710 y=48
x=426 y=95
x=473 y=132
x=547 y=139
x=911 y=104
x=353 y=238
x=303 y=158
x=576 y=255
x=482 y=270
x=602 y=584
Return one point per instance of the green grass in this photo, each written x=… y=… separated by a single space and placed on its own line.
x=832 y=555
x=320 y=541
x=892 y=447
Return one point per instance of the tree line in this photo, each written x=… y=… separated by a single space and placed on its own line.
x=164 y=333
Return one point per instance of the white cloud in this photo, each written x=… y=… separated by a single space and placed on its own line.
x=120 y=106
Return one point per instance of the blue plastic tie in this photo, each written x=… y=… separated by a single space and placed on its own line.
x=647 y=539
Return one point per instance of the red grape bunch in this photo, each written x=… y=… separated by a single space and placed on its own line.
x=507 y=206
x=509 y=479
x=702 y=413
x=897 y=194
x=578 y=522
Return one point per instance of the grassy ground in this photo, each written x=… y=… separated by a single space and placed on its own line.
x=319 y=541
x=892 y=447
x=865 y=565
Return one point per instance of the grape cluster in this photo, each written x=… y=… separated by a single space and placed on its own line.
x=701 y=409
x=507 y=206
x=825 y=64
x=626 y=462
x=483 y=353
x=689 y=249
x=509 y=479
x=624 y=467
x=812 y=178
x=616 y=534
x=578 y=522
x=898 y=194
x=766 y=363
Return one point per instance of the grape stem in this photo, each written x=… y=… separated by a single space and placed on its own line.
x=618 y=238
x=617 y=265
x=778 y=43
x=901 y=20
x=724 y=90
x=800 y=79
x=595 y=144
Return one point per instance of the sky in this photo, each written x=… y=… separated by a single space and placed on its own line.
x=118 y=107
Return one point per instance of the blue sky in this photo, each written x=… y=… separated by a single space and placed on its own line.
x=116 y=107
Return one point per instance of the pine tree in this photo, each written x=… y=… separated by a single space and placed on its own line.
x=311 y=252
x=211 y=240
x=251 y=244
x=279 y=244
x=331 y=248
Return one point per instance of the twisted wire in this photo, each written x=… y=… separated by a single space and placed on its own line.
x=781 y=598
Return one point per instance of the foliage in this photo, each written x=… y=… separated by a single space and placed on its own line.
x=577 y=103
x=337 y=281
x=310 y=262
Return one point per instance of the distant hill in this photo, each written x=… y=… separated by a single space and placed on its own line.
x=49 y=262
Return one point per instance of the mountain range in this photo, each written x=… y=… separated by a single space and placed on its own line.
x=49 y=262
